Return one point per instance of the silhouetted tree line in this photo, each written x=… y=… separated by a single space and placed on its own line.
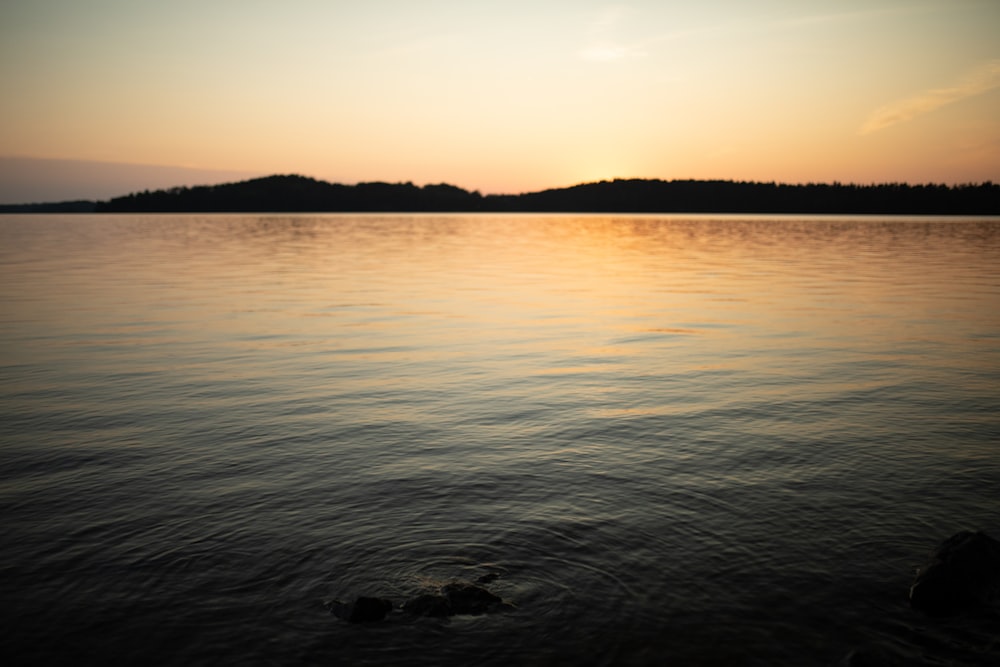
x=301 y=194
x=654 y=196
x=298 y=194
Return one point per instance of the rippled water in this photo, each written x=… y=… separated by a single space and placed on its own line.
x=678 y=440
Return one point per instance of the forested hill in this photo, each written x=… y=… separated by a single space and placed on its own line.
x=302 y=194
x=298 y=193
x=654 y=196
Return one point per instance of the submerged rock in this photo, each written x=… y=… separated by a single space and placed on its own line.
x=428 y=605
x=963 y=573
x=362 y=610
x=452 y=600
x=470 y=599
x=488 y=577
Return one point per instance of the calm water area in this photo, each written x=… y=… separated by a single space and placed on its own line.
x=674 y=440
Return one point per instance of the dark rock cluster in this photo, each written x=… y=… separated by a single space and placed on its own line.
x=456 y=598
x=962 y=574
x=451 y=600
x=362 y=610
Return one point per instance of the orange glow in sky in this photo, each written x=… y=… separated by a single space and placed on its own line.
x=510 y=96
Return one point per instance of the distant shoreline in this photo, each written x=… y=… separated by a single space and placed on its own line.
x=300 y=194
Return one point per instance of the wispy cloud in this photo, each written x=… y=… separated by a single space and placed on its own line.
x=603 y=46
x=982 y=79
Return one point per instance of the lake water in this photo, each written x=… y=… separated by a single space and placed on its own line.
x=677 y=440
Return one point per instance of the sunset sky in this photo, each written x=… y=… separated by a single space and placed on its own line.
x=505 y=96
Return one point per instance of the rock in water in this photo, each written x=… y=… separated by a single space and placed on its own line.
x=362 y=610
x=469 y=599
x=488 y=578
x=453 y=599
x=456 y=598
x=963 y=573
x=428 y=605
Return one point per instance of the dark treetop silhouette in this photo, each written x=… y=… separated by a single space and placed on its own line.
x=292 y=193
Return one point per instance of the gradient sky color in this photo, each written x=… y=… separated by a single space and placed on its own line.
x=510 y=96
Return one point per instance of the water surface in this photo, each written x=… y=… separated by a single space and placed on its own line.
x=678 y=440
